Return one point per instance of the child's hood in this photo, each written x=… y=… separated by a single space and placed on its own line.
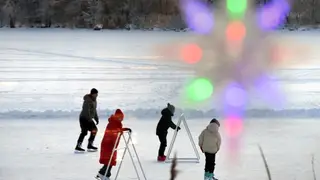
x=166 y=112
x=119 y=114
x=115 y=120
x=213 y=127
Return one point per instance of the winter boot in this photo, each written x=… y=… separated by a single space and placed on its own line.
x=78 y=148
x=213 y=178
x=91 y=148
x=161 y=158
x=164 y=157
x=206 y=176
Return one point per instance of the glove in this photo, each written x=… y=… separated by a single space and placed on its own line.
x=127 y=129
x=97 y=121
x=179 y=128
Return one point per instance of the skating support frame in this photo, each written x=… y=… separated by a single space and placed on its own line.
x=182 y=119
x=128 y=142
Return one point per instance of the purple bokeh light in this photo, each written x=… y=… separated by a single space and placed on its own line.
x=268 y=91
x=198 y=16
x=273 y=14
x=234 y=100
x=235 y=95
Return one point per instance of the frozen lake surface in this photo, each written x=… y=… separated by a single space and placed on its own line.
x=47 y=72
x=33 y=150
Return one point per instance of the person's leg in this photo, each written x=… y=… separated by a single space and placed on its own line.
x=109 y=171
x=93 y=132
x=163 y=144
x=213 y=165
x=209 y=167
x=103 y=170
x=84 y=132
x=206 y=166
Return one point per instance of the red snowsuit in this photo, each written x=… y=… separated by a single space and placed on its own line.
x=110 y=137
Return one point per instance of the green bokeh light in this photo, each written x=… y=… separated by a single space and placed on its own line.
x=236 y=7
x=200 y=89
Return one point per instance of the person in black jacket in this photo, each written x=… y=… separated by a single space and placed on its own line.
x=164 y=124
x=88 y=113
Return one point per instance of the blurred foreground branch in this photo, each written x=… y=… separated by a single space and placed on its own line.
x=265 y=163
x=173 y=170
x=313 y=169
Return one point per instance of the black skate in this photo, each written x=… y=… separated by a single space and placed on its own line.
x=78 y=149
x=100 y=177
x=91 y=148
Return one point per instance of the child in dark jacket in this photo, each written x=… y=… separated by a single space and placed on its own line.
x=108 y=142
x=210 y=142
x=164 y=124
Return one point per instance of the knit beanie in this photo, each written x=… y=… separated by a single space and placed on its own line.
x=214 y=120
x=171 y=108
x=93 y=91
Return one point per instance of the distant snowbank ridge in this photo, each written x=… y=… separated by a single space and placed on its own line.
x=156 y=113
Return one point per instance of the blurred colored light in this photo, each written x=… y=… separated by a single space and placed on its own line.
x=236 y=31
x=191 y=53
x=236 y=6
x=268 y=91
x=200 y=89
x=198 y=16
x=273 y=14
x=235 y=95
x=233 y=126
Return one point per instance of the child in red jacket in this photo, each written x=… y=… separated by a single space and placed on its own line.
x=113 y=128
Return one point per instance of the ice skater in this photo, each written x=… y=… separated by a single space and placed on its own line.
x=210 y=142
x=114 y=127
x=88 y=113
x=162 y=129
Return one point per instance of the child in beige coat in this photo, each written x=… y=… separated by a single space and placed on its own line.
x=210 y=142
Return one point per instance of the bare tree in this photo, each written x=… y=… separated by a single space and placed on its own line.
x=10 y=11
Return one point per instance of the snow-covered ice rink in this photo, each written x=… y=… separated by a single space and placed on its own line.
x=45 y=73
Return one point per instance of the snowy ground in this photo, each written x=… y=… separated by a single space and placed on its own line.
x=45 y=73
x=36 y=150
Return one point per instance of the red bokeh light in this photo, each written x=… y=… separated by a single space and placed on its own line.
x=236 y=31
x=191 y=53
x=233 y=126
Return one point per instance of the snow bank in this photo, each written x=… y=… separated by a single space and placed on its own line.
x=155 y=113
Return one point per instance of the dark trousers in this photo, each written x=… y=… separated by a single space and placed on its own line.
x=210 y=162
x=87 y=125
x=103 y=170
x=163 y=143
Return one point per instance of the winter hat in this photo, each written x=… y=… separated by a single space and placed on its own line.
x=171 y=108
x=214 y=120
x=94 y=91
x=119 y=114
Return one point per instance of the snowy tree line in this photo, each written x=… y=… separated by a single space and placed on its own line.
x=114 y=14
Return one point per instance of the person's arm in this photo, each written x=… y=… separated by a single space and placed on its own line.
x=126 y=129
x=172 y=125
x=219 y=141
x=96 y=117
x=201 y=139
